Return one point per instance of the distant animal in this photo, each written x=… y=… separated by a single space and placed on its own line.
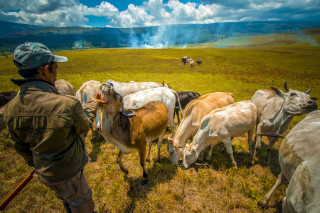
x=87 y=91
x=191 y=62
x=5 y=97
x=185 y=97
x=162 y=94
x=130 y=130
x=64 y=87
x=193 y=114
x=199 y=61
x=299 y=162
x=276 y=110
x=132 y=87
x=221 y=125
x=184 y=59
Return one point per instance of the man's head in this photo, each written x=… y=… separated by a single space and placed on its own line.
x=35 y=60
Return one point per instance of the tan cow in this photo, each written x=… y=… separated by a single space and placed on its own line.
x=64 y=87
x=221 y=125
x=193 y=114
x=299 y=161
x=133 y=129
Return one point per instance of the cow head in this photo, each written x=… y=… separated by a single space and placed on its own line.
x=296 y=102
x=174 y=151
x=190 y=156
x=110 y=98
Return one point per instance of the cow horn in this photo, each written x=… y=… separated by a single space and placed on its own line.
x=309 y=90
x=286 y=86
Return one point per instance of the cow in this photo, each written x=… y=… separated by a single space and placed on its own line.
x=162 y=94
x=64 y=87
x=185 y=97
x=221 y=125
x=199 y=61
x=5 y=97
x=191 y=62
x=87 y=91
x=133 y=129
x=193 y=115
x=276 y=110
x=184 y=59
x=132 y=87
x=299 y=161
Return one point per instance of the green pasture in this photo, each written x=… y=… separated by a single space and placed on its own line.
x=209 y=186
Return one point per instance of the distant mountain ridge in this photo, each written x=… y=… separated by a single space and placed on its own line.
x=59 y=38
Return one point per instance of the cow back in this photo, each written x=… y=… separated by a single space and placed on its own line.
x=64 y=87
x=200 y=107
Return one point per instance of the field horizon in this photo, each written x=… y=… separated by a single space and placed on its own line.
x=208 y=186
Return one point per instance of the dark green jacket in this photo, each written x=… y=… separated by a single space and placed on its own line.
x=46 y=129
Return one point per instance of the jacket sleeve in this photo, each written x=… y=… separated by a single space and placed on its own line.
x=83 y=117
x=22 y=148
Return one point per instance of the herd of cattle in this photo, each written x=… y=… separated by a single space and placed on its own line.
x=135 y=114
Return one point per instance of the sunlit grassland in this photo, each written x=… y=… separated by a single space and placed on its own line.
x=209 y=186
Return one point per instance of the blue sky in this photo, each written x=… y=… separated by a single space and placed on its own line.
x=140 y=13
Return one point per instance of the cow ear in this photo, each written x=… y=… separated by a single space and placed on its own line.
x=129 y=113
x=277 y=91
x=314 y=99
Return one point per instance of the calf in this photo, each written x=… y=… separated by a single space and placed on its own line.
x=184 y=98
x=162 y=94
x=299 y=161
x=64 y=87
x=130 y=130
x=193 y=115
x=87 y=91
x=221 y=125
x=5 y=97
x=276 y=110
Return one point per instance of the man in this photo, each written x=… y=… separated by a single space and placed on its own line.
x=47 y=128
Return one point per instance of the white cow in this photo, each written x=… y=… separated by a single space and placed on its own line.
x=299 y=161
x=276 y=110
x=221 y=125
x=162 y=94
x=132 y=87
x=193 y=114
x=64 y=87
x=87 y=91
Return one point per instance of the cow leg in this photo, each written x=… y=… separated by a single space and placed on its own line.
x=208 y=157
x=250 y=134
x=159 y=146
x=119 y=161
x=227 y=144
x=258 y=144
x=264 y=201
x=142 y=154
x=272 y=141
x=149 y=149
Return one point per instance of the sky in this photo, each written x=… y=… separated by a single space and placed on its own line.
x=142 y=13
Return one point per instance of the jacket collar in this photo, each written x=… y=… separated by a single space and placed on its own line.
x=35 y=85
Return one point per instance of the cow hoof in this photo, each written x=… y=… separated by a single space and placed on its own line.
x=261 y=204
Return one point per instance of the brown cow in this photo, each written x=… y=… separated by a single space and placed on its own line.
x=130 y=130
x=64 y=87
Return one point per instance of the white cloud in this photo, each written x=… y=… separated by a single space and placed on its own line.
x=155 y=12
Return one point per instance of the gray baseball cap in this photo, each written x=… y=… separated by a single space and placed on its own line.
x=33 y=54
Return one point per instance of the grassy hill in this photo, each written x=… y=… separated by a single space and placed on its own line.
x=209 y=186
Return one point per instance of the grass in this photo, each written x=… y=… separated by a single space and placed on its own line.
x=209 y=186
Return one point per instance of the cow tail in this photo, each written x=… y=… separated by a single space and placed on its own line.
x=177 y=97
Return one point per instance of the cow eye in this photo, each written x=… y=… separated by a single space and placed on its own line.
x=293 y=94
